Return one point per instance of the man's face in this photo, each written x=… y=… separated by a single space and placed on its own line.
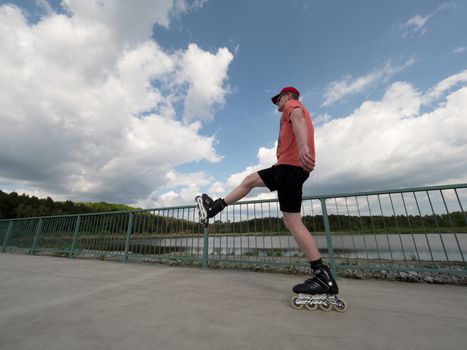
x=281 y=101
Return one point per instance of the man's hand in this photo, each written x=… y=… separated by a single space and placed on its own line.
x=308 y=163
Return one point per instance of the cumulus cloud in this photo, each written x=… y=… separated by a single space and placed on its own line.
x=88 y=100
x=205 y=72
x=388 y=143
x=337 y=90
x=391 y=143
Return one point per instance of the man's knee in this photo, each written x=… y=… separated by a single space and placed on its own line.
x=252 y=180
x=291 y=220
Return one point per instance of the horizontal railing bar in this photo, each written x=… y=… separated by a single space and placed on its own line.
x=400 y=190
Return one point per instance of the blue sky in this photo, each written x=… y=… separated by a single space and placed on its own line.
x=317 y=43
x=152 y=102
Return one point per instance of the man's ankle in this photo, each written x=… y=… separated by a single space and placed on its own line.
x=316 y=264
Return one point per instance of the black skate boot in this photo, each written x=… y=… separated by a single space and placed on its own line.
x=208 y=207
x=319 y=291
x=321 y=283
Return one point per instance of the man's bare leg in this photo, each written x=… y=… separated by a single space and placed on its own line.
x=302 y=236
x=209 y=208
x=251 y=181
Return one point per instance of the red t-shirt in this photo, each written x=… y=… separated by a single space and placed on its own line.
x=287 y=148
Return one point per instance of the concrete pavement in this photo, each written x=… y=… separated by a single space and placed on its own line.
x=56 y=303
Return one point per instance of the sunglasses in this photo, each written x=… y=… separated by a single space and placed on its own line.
x=279 y=98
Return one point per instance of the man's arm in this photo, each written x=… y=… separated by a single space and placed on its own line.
x=297 y=117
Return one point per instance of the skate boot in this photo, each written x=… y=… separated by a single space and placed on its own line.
x=208 y=207
x=319 y=291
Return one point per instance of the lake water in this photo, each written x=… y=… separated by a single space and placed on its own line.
x=424 y=247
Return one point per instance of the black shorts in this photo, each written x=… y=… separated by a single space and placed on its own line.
x=288 y=181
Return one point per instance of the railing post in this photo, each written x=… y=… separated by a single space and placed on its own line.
x=327 y=231
x=128 y=236
x=75 y=237
x=36 y=237
x=205 y=248
x=7 y=236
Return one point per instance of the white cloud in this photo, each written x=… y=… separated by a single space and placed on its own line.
x=443 y=86
x=171 y=198
x=337 y=90
x=321 y=119
x=390 y=143
x=129 y=21
x=88 y=101
x=417 y=24
x=205 y=74
x=460 y=50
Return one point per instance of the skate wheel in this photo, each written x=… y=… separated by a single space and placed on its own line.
x=294 y=303
x=341 y=306
x=325 y=307
x=311 y=307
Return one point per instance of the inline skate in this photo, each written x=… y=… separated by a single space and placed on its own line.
x=208 y=208
x=320 y=291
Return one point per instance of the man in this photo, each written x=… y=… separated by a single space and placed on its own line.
x=295 y=160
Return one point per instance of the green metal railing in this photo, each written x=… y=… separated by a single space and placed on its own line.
x=417 y=229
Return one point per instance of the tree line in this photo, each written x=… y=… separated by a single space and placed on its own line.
x=14 y=205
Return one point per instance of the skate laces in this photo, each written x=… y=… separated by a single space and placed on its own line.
x=207 y=200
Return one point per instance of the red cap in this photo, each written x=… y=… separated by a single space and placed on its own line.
x=283 y=91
